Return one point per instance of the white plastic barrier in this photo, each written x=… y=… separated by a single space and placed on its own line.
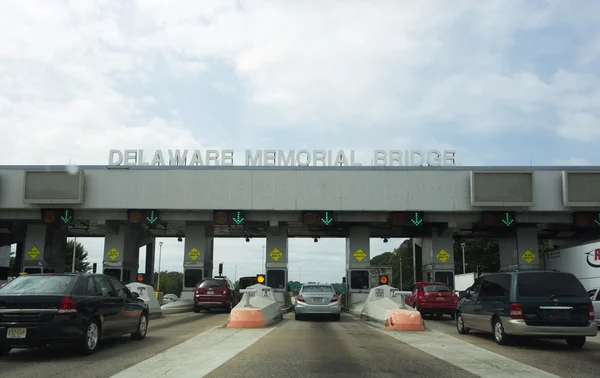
x=184 y=305
x=146 y=292
x=386 y=305
x=258 y=308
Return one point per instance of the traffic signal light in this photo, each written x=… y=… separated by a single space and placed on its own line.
x=586 y=219
x=260 y=278
x=140 y=277
x=94 y=267
x=500 y=219
x=230 y=218
x=58 y=215
x=143 y=216
x=407 y=218
x=318 y=218
x=220 y=269
x=384 y=279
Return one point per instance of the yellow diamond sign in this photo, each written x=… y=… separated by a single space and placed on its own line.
x=34 y=253
x=528 y=256
x=443 y=256
x=275 y=254
x=113 y=254
x=194 y=254
x=359 y=255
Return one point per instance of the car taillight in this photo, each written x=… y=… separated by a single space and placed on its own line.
x=334 y=299
x=516 y=311
x=225 y=292
x=67 y=306
x=299 y=298
x=591 y=313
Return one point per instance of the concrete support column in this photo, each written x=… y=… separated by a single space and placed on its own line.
x=122 y=252
x=358 y=248
x=4 y=262
x=520 y=250
x=438 y=257
x=197 y=257
x=19 y=257
x=45 y=248
x=276 y=259
x=150 y=253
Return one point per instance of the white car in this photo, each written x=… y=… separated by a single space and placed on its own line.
x=170 y=298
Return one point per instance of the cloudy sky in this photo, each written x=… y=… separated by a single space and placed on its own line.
x=502 y=82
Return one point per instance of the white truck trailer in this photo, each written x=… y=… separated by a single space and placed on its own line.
x=464 y=281
x=583 y=261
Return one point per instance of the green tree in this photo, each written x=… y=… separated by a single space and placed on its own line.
x=82 y=265
x=170 y=282
x=404 y=252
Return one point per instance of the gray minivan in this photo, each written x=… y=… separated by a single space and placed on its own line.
x=529 y=303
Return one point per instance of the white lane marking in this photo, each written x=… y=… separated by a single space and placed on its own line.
x=198 y=356
x=464 y=355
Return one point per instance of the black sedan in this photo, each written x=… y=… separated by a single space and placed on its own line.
x=76 y=309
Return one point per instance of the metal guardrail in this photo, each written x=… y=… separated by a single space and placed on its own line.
x=402 y=294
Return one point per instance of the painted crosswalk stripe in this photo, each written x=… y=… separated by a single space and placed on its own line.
x=201 y=354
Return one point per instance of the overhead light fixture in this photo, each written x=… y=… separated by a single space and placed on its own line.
x=247 y=240
x=385 y=240
x=316 y=240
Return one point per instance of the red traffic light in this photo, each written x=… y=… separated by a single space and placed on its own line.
x=384 y=279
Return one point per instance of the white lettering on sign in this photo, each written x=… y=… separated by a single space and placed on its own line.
x=281 y=158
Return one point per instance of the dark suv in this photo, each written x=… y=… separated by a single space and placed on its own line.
x=216 y=292
x=543 y=304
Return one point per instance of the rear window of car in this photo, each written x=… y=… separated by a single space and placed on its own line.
x=317 y=289
x=32 y=285
x=549 y=284
x=435 y=288
x=212 y=283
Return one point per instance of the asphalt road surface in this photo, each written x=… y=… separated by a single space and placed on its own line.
x=323 y=348
x=553 y=356
x=113 y=356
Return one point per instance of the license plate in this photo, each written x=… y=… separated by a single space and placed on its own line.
x=440 y=298
x=16 y=333
x=557 y=313
x=210 y=292
x=318 y=300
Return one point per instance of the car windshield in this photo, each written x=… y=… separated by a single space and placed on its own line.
x=549 y=285
x=317 y=289
x=32 y=285
x=212 y=283
x=435 y=288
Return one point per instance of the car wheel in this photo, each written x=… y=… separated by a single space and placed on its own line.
x=229 y=307
x=576 y=342
x=460 y=325
x=196 y=309
x=4 y=350
x=142 y=328
x=337 y=317
x=297 y=317
x=499 y=334
x=91 y=337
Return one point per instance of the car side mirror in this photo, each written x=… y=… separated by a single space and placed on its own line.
x=135 y=295
x=463 y=294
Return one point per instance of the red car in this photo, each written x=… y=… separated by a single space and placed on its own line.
x=433 y=298
x=217 y=292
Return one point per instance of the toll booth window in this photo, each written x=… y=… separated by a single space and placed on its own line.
x=445 y=277
x=245 y=282
x=276 y=279
x=359 y=279
x=192 y=277
x=113 y=273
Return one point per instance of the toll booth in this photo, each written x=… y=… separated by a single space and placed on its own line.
x=360 y=281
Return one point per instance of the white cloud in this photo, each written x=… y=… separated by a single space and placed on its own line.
x=572 y=161
x=80 y=77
